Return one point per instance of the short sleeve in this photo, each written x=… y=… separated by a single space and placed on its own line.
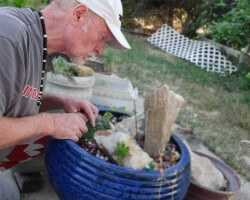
x=12 y=72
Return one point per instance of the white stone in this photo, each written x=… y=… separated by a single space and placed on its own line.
x=129 y=125
x=205 y=173
x=108 y=140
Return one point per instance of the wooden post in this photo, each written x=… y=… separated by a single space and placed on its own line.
x=161 y=111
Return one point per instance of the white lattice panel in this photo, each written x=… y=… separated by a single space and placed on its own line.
x=200 y=53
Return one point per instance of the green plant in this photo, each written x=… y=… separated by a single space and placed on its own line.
x=150 y=167
x=109 y=62
x=68 y=69
x=248 y=75
x=121 y=151
x=102 y=123
x=108 y=116
x=24 y=3
x=233 y=29
x=62 y=66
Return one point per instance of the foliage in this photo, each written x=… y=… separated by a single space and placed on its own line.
x=68 y=69
x=150 y=167
x=102 y=123
x=248 y=75
x=24 y=3
x=121 y=151
x=233 y=29
x=214 y=10
x=62 y=66
x=109 y=62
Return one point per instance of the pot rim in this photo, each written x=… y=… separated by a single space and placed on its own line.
x=85 y=81
x=174 y=170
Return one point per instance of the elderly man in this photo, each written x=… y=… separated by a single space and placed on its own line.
x=80 y=29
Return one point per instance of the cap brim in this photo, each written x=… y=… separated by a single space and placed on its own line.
x=119 y=41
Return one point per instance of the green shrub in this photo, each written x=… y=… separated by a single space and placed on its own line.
x=233 y=29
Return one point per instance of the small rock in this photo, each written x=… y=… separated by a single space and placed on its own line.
x=128 y=125
x=138 y=159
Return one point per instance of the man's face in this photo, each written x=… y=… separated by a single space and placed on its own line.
x=87 y=38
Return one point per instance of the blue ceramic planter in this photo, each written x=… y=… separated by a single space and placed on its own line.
x=77 y=175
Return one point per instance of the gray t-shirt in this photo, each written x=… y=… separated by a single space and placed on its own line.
x=21 y=51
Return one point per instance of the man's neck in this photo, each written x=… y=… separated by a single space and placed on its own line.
x=55 y=27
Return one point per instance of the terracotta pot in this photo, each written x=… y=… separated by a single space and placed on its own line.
x=198 y=192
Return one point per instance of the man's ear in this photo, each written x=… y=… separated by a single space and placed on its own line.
x=79 y=13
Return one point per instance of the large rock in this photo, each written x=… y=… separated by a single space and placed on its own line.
x=204 y=172
x=108 y=140
x=161 y=111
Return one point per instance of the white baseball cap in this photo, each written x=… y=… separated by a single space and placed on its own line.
x=111 y=11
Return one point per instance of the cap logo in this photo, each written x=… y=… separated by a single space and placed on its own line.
x=120 y=17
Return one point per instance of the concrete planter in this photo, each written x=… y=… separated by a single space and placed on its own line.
x=78 y=87
x=114 y=92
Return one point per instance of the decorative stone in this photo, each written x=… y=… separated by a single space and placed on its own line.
x=204 y=172
x=107 y=140
x=131 y=125
x=161 y=111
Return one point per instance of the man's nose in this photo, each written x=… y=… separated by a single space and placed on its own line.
x=99 y=49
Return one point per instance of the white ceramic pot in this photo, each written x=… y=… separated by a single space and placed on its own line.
x=77 y=87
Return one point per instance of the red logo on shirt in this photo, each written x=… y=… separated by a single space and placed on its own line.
x=24 y=152
x=30 y=92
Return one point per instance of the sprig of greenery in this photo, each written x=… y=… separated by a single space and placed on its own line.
x=102 y=123
x=150 y=167
x=121 y=151
x=62 y=66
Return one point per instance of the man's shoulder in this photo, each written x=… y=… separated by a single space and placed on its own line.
x=14 y=21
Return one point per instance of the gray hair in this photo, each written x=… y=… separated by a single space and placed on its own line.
x=65 y=4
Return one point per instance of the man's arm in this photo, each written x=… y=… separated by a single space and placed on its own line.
x=61 y=126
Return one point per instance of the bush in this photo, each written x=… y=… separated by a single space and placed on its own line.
x=234 y=28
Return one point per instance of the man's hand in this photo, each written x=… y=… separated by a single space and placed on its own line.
x=68 y=126
x=84 y=107
x=70 y=105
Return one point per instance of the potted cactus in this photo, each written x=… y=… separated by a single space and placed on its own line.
x=70 y=79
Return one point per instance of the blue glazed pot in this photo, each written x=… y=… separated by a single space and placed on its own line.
x=77 y=175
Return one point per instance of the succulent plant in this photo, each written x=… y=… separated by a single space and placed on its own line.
x=121 y=151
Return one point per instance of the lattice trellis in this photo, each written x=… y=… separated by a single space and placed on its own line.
x=200 y=53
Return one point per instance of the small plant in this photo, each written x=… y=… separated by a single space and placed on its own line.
x=102 y=123
x=108 y=116
x=68 y=69
x=248 y=75
x=62 y=66
x=150 y=167
x=121 y=151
